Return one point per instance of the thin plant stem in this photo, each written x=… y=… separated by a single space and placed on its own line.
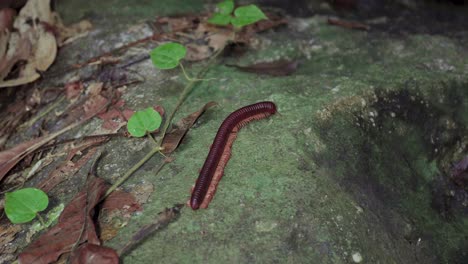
x=132 y=170
x=41 y=219
x=43 y=113
x=152 y=138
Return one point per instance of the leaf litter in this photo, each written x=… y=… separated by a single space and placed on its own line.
x=33 y=36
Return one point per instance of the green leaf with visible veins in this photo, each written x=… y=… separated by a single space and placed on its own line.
x=220 y=19
x=167 y=56
x=246 y=15
x=22 y=205
x=143 y=121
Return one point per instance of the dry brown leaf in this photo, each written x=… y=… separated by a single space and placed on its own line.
x=46 y=51
x=73 y=90
x=9 y=158
x=174 y=137
x=347 y=24
x=35 y=9
x=91 y=253
x=219 y=40
x=212 y=39
x=68 y=168
x=115 y=118
x=275 y=68
x=196 y=52
x=7 y=16
x=19 y=48
x=116 y=212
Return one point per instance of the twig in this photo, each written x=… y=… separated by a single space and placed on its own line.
x=166 y=217
x=42 y=114
x=71 y=140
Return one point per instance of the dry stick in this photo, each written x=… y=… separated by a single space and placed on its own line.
x=158 y=147
x=43 y=113
x=164 y=218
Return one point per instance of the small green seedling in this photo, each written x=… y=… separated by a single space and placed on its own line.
x=168 y=56
x=243 y=16
x=23 y=205
x=143 y=122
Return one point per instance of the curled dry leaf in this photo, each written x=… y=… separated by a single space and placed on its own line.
x=174 y=137
x=274 y=68
x=43 y=46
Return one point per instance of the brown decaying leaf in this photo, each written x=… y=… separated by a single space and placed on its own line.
x=68 y=168
x=73 y=90
x=274 y=68
x=9 y=158
x=91 y=253
x=115 y=117
x=174 y=137
x=6 y=20
x=73 y=224
x=347 y=24
x=116 y=212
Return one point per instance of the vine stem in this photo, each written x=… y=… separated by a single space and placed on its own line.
x=158 y=146
x=41 y=220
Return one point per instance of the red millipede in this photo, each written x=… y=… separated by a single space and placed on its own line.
x=222 y=143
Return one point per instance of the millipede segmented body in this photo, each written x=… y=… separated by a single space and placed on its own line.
x=230 y=125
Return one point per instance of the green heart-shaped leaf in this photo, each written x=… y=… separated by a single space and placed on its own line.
x=246 y=15
x=220 y=19
x=22 y=205
x=226 y=7
x=167 y=56
x=144 y=121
